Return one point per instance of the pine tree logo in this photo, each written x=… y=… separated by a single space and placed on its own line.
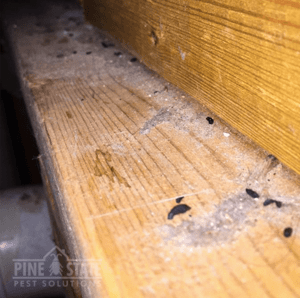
x=55 y=267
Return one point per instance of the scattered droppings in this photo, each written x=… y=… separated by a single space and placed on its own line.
x=60 y=56
x=178 y=210
x=107 y=44
x=214 y=228
x=179 y=199
x=210 y=120
x=82 y=99
x=133 y=59
x=226 y=134
x=74 y=52
x=88 y=53
x=71 y=34
x=287 y=232
x=155 y=92
x=252 y=193
x=119 y=54
x=270 y=201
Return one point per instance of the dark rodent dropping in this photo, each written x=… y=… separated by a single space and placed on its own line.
x=252 y=193
x=287 y=232
x=178 y=209
x=210 y=120
x=271 y=201
x=179 y=199
x=107 y=44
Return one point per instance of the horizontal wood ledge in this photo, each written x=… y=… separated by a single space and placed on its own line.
x=120 y=146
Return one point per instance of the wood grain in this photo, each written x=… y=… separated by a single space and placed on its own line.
x=241 y=59
x=119 y=185
x=119 y=144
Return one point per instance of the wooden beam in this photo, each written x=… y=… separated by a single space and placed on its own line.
x=239 y=58
x=118 y=145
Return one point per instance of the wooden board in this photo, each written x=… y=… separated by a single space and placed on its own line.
x=119 y=144
x=239 y=58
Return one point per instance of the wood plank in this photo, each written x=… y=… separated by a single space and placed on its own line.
x=119 y=144
x=239 y=58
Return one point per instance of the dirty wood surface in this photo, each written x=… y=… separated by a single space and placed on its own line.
x=240 y=59
x=118 y=145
